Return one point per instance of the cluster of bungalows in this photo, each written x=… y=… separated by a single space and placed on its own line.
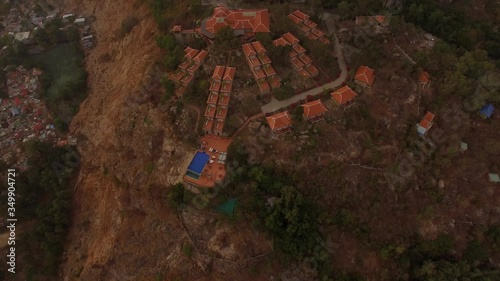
x=186 y=71
x=260 y=65
x=218 y=99
x=281 y=123
x=301 y=62
x=309 y=27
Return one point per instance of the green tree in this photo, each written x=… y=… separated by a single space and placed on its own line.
x=226 y=39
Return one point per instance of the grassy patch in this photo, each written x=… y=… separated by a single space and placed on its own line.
x=64 y=80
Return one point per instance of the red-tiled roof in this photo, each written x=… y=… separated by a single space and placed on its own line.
x=301 y=15
x=259 y=48
x=177 y=28
x=365 y=75
x=303 y=73
x=200 y=57
x=190 y=53
x=312 y=36
x=299 y=49
x=429 y=116
x=254 y=62
x=263 y=85
x=252 y=20
x=227 y=86
x=219 y=126
x=343 y=95
x=212 y=98
x=424 y=77
x=259 y=73
x=248 y=50
x=269 y=70
x=275 y=82
x=312 y=70
x=210 y=111
x=193 y=67
x=185 y=64
x=310 y=24
x=279 y=121
x=297 y=63
x=324 y=40
x=306 y=59
x=292 y=54
x=208 y=125
x=215 y=86
x=318 y=32
x=221 y=112
x=218 y=72
x=295 y=19
x=229 y=73
x=425 y=124
x=280 y=42
x=264 y=58
x=314 y=108
x=305 y=28
x=187 y=79
x=224 y=99
x=290 y=38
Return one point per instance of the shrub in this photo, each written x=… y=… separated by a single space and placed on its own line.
x=128 y=24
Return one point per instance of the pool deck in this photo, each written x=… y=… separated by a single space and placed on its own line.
x=212 y=172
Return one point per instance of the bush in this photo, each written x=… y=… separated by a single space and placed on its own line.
x=283 y=93
x=128 y=24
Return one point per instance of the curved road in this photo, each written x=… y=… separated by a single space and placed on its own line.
x=275 y=104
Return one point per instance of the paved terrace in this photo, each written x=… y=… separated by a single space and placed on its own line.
x=275 y=105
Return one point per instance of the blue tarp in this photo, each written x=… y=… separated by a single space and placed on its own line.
x=199 y=161
x=487 y=110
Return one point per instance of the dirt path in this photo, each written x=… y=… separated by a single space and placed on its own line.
x=243 y=126
x=198 y=116
x=275 y=105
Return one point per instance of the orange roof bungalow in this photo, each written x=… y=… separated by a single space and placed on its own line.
x=242 y=21
x=292 y=54
x=269 y=70
x=176 y=29
x=425 y=124
x=193 y=67
x=313 y=71
x=229 y=74
x=224 y=99
x=344 y=96
x=213 y=98
x=290 y=38
x=275 y=82
x=259 y=48
x=187 y=79
x=299 y=49
x=218 y=73
x=280 y=42
x=219 y=126
x=221 y=112
x=248 y=50
x=200 y=57
x=280 y=123
x=364 y=76
x=190 y=53
x=215 y=86
x=259 y=74
x=312 y=25
x=185 y=64
x=300 y=15
x=424 y=80
x=297 y=63
x=210 y=112
x=306 y=59
x=208 y=126
x=264 y=58
x=325 y=40
x=314 y=111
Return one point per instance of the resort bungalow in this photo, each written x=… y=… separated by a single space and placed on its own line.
x=364 y=77
x=314 y=111
x=344 y=96
x=425 y=124
x=280 y=123
x=487 y=110
x=424 y=80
